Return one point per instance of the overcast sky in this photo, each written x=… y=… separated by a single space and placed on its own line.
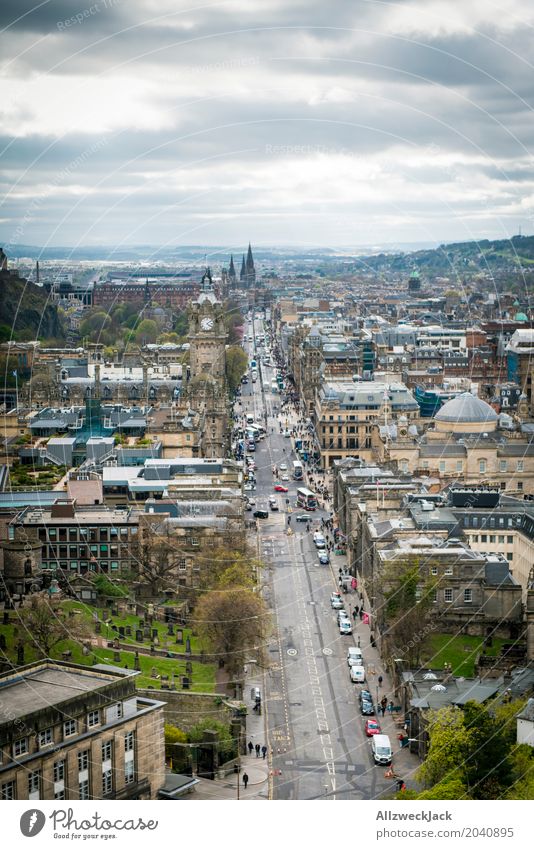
x=305 y=122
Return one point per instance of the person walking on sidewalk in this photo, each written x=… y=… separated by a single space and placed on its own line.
x=383 y=705
x=264 y=751
x=250 y=746
x=355 y=613
x=258 y=747
x=245 y=780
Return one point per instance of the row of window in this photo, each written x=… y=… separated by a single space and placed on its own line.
x=8 y=789
x=84 y=565
x=77 y=534
x=84 y=551
x=498 y=539
x=70 y=728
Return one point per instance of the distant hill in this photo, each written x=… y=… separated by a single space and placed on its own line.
x=25 y=309
x=484 y=256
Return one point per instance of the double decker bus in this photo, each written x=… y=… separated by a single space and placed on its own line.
x=306 y=499
x=298 y=470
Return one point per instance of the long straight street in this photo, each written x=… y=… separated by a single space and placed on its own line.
x=316 y=733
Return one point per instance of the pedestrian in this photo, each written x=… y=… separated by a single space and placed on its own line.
x=250 y=747
x=245 y=780
x=264 y=751
x=257 y=747
x=355 y=612
x=390 y=706
x=383 y=705
x=380 y=679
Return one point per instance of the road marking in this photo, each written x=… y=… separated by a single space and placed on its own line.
x=292 y=652
x=328 y=651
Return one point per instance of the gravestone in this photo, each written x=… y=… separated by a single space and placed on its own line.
x=153 y=672
x=116 y=644
x=5 y=620
x=128 y=630
x=114 y=627
x=114 y=611
x=2 y=641
x=86 y=650
x=188 y=645
x=152 y=649
x=98 y=628
x=137 y=663
x=116 y=657
x=179 y=636
x=105 y=615
x=170 y=629
x=185 y=682
x=138 y=636
x=121 y=631
x=188 y=667
x=142 y=623
x=154 y=634
x=20 y=654
x=146 y=632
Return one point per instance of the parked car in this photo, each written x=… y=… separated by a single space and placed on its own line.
x=367 y=707
x=354 y=656
x=335 y=601
x=249 y=487
x=342 y=614
x=357 y=674
x=278 y=487
x=319 y=540
x=365 y=694
x=302 y=517
x=345 y=628
x=372 y=727
x=283 y=467
x=381 y=749
x=284 y=477
x=324 y=559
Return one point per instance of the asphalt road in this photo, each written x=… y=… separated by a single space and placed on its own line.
x=315 y=730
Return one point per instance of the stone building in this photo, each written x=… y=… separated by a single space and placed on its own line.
x=77 y=732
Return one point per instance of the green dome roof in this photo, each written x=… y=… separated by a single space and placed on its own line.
x=520 y=316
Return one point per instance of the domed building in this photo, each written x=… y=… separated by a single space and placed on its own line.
x=466 y=414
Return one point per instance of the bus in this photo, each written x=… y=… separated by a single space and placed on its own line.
x=298 y=470
x=306 y=499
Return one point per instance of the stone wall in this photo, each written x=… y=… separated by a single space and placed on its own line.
x=187 y=709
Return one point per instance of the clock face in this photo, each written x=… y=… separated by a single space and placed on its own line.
x=206 y=323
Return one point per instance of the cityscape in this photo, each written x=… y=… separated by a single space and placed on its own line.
x=267 y=445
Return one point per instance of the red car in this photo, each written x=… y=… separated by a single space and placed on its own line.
x=278 y=487
x=372 y=727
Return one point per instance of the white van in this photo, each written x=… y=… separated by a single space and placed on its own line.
x=357 y=674
x=354 y=656
x=319 y=540
x=250 y=418
x=381 y=749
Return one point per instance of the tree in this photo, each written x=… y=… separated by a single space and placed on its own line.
x=236 y=366
x=46 y=624
x=147 y=332
x=407 y=608
x=232 y=622
x=449 y=742
x=225 y=742
x=488 y=768
x=174 y=736
x=157 y=560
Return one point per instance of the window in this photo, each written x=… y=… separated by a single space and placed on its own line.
x=129 y=773
x=492 y=538
x=34 y=784
x=93 y=718
x=83 y=789
x=434 y=596
x=448 y=570
x=483 y=538
x=107 y=782
x=510 y=540
x=442 y=465
x=69 y=728
x=45 y=738
x=520 y=466
x=8 y=790
x=106 y=750
x=20 y=747
x=468 y=596
x=59 y=771
x=182 y=564
x=459 y=466
x=434 y=570
x=129 y=741
x=83 y=760
x=448 y=596
x=509 y=556
x=503 y=466
x=501 y=539
x=59 y=794
x=482 y=467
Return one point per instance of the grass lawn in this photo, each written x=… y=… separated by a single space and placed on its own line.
x=203 y=675
x=460 y=651
x=133 y=621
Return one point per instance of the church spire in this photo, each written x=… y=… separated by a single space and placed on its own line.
x=231 y=271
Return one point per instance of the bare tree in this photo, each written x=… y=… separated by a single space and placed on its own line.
x=45 y=624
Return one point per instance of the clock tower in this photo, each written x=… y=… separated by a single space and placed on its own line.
x=207 y=334
x=207 y=391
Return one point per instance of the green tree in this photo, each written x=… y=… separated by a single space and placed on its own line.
x=45 y=624
x=488 y=769
x=174 y=738
x=226 y=744
x=236 y=366
x=449 y=743
x=408 y=603
x=147 y=332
